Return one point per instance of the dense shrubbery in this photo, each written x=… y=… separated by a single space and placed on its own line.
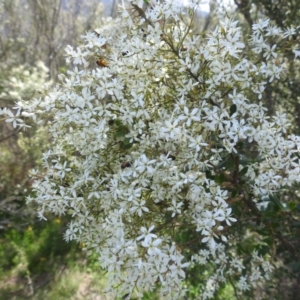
x=164 y=154
x=171 y=155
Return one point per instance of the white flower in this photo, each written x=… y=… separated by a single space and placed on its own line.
x=139 y=207
x=260 y=26
x=270 y=52
x=144 y=164
x=297 y=53
x=175 y=208
x=242 y=284
x=152 y=246
x=146 y=234
x=62 y=169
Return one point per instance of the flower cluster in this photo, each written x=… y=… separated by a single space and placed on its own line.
x=157 y=132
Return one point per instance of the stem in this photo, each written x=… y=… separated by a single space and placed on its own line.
x=234 y=288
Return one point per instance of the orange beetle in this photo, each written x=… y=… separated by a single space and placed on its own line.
x=102 y=63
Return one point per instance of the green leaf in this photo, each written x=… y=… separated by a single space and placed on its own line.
x=244 y=171
x=276 y=201
x=263 y=250
x=226 y=164
x=263 y=232
x=234 y=194
x=232 y=109
x=118 y=122
x=219 y=178
x=121 y=131
x=126 y=141
x=244 y=160
x=126 y=144
x=292 y=206
x=269 y=241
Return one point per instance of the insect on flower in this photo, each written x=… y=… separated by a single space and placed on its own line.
x=102 y=63
x=125 y=164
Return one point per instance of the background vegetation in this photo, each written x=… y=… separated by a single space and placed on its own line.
x=35 y=262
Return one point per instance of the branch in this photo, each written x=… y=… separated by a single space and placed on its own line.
x=244 y=8
x=7 y=137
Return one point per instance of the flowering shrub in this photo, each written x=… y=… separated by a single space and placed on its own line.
x=23 y=82
x=163 y=152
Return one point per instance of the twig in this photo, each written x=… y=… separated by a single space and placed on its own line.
x=234 y=288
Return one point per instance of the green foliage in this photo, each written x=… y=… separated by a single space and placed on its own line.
x=40 y=256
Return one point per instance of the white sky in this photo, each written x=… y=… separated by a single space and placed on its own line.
x=204 y=4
